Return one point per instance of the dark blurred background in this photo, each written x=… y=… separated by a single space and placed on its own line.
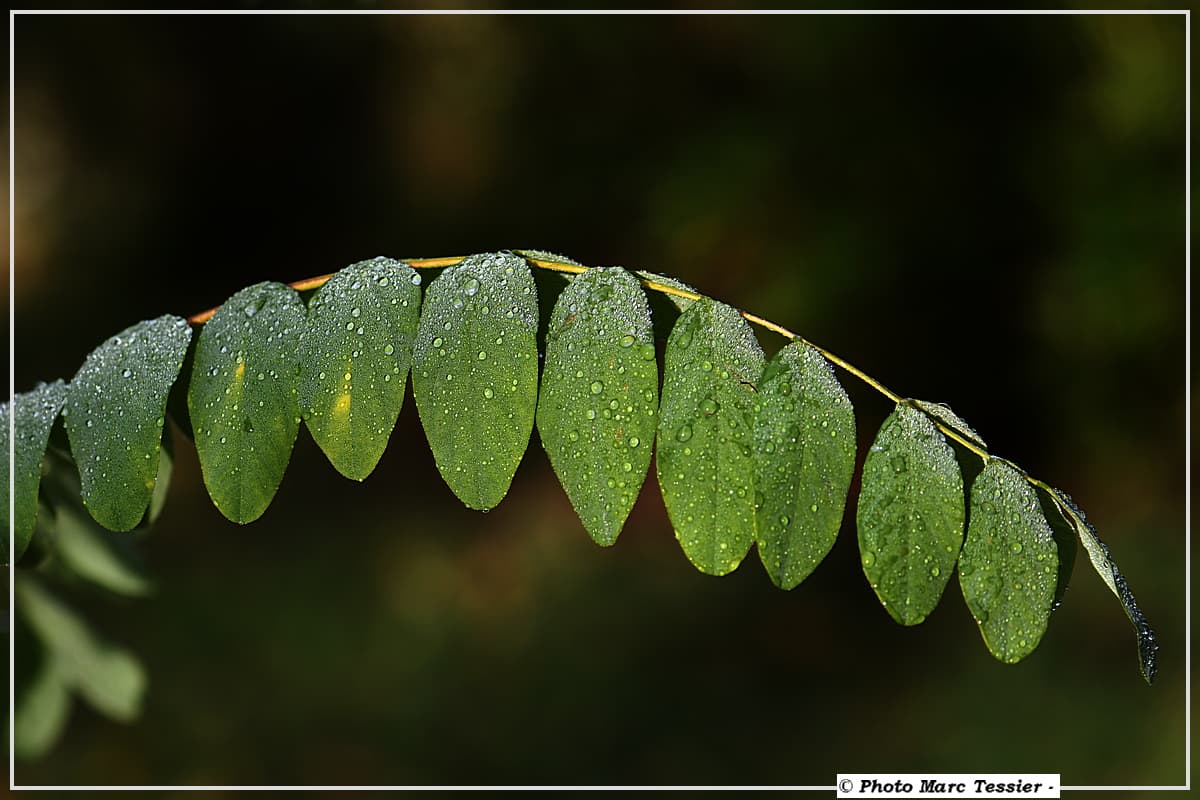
x=983 y=211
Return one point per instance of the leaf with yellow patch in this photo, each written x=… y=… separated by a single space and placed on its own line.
x=355 y=351
x=242 y=399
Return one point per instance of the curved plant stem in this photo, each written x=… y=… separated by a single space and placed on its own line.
x=308 y=284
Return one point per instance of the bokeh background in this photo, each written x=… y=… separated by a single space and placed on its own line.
x=984 y=211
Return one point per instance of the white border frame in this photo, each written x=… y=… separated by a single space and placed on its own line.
x=1187 y=371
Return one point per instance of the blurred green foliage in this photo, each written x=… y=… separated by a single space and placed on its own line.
x=986 y=211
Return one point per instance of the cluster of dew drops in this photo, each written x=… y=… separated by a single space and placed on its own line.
x=608 y=413
x=336 y=295
x=279 y=334
x=467 y=299
x=156 y=347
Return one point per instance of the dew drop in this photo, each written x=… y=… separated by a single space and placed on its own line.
x=597 y=387
x=437 y=341
x=471 y=288
x=627 y=341
x=488 y=393
x=684 y=433
x=388 y=350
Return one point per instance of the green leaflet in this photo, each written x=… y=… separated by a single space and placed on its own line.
x=115 y=412
x=804 y=454
x=599 y=396
x=706 y=426
x=910 y=515
x=34 y=417
x=94 y=556
x=1009 y=563
x=475 y=373
x=109 y=678
x=354 y=355
x=1102 y=562
x=242 y=399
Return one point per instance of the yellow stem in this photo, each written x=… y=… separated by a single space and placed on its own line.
x=308 y=284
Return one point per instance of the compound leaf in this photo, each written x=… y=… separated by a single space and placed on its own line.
x=705 y=430
x=32 y=415
x=1102 y=562
x=115 y=415
x=910 y=515
x=242 y=399
x=599 y=397
x=1009 y=564
x=354 y=355
x=745 y=453
x=475 y=373
x=804 y=455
